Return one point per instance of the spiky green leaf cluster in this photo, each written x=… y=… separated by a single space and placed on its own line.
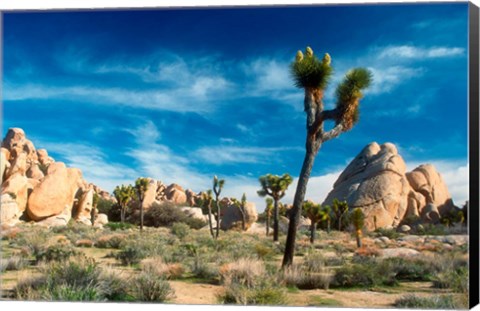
x=310 y=72
x=353 y=83
x=274 y=184
x=218 y=185
x=312 y=211
x=357 y=218
x=124 y=194
x=141 y=186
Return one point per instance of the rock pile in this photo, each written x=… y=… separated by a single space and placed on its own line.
x=36 y=188
x=377 y=181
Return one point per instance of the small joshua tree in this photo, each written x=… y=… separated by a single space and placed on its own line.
x=358 y=219
x=275 y=187
x=217 y=189
x=242 y=209
x=312 y=75
x=268 y=213
x=207 y=203
x=313 y=212
x=123 y=194
x=340 y=209
x=326 y=216
x=141 y=186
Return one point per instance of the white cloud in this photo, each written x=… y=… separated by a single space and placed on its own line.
x=93 y=163
x=219 y=155
x=385 y=79
x=413 y=52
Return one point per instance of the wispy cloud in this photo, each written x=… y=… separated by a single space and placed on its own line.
x=413 y=52
x=92 y=161
x=388 y=78
x=220 y=155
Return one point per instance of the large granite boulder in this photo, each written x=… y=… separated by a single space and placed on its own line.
x=231 y=217
x=84 y=208
x=9 y=211
x=377 y=182
x=55 y=193
x=150 y=194
x=18 y=186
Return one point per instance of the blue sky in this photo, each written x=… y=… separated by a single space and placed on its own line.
x=181 y=95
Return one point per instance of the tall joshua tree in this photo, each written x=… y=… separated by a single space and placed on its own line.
x=313 y=212
x=340 y=209
x=93 y=213
x=123 y=194
x=217 y=189
x=326 y=215
x=268 y=213
x=358 y=219
x=207 y=202
x=312 y=75
x=141 y=186
x=275 y=187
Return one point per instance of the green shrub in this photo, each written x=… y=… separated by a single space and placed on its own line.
x=456 y=280
x=148 y=287
x=55 y=252
x=366 y=274
x=389 y=233
x=114 y=287
x=437 y=302
x=164 y=215
x=301 y=278
x=181 y=230
x=408 y=269
x=110 y=241
x=130 y=255
x=431 y=229
x=114 y=226
x=104 y=206
x=265 y=293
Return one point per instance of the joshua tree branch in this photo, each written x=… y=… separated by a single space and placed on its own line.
x=333 y=133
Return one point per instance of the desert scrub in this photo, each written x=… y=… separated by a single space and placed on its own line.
x=156 y=266
x=149 y=287
x=364 y=272
x=435 y=302
x=140 y=247
x=119 y=226
x=77 y=279
x=32 y=240
x=55 y=252
x=247 y=283
x=245 y=272
x=13 y=263
x=311 y=274
x=180 y=230
x=75 y=231
x=456 y=280
x=111 y=241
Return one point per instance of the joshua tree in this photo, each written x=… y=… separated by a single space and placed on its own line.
x=313 y=212
x=340 y=209
x=268 y=213
x=312 y=75
x=326 y=216
x=217 y=189
x=274 y=186
x=358 y=219
x=207 y=203
x=93 y=213
x=141 y=186
x=123 y=194
x=241 y=207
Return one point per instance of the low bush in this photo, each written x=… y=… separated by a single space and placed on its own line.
x=263 y=293
x=456 y=280
x=389 y=233
x=114 y=226
x=149 y=287
x=55 y=252
x=111 y=241
x=437 y=302
x=180 y=230
x=164 y=215
x=156 y=266
x=130 y=255
x=13 y=263
x=301 y=278
x=245 y=272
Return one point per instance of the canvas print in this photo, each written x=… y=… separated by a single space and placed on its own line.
x=285 y=156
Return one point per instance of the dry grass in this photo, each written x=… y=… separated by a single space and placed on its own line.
x=245 y=272
x=156 y=266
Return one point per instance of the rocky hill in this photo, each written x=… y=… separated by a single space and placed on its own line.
x=377 y=181
x=36 y=188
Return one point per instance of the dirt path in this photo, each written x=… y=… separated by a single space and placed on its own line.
x=191 y=293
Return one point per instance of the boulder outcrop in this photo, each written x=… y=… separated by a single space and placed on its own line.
x=231 y=217
x=376 y=181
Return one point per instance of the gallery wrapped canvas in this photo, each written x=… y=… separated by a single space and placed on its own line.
x=321 y=155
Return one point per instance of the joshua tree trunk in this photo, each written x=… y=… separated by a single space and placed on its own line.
x=275 y=220
x=122 y=214
x=297 y=204
x=218 y=216
x=359 y=238
x=313 y=228
x=141 y=215
x=210 y=220
x=328 y=226
x=243 y=218
x=268 y=223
